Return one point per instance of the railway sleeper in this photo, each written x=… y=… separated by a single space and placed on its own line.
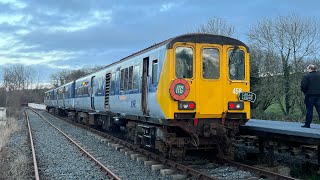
x=171 y=141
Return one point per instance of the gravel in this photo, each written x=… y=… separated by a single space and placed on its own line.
x=57 y=158
x=220 y=171
x=284 y=163
x=116 y=161
x=283 y=159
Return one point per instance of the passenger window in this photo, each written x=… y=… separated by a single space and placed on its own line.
x=112 y=83
x=66 y=93
x=236 y=65
x=210 y=63
x=99 y=85
x=130 y=77
x=61 y=93
x=184 y=62
x=154 y=71
x=122 y=80
x=136 y=77
x=126 y=79
x=117 y=80
x=86 y=90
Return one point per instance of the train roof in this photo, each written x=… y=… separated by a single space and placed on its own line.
x=50 y=90
x=193 y=38
x=205 y=38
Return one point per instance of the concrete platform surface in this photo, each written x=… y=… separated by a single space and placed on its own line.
x=37 y=106
x=283 y=127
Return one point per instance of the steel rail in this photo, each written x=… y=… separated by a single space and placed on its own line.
x=183 y=168
x=104 y=168
x=148 y=154
x=260 y=171
x=35 y=165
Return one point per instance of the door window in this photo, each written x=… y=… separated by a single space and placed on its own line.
x=210 y=63
x=154 y=71
x=236 y=65
x=184 y=62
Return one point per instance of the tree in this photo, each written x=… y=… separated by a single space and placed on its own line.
x=292 y=39
x=2 y=97
x=19 y=83
x=217 y=26
x=18 y=77
x=264 y=77
x=65 y=76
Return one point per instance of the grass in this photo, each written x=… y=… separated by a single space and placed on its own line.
x=6 y=129
x=274 y=113
x=13 y=162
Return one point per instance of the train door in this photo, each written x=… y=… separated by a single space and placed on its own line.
x=144 y=90
x=63 y=96
x=210 y=80
x=56 y=97
x=185 y=68
x=107 y=90
x=93 y=90
x=73 y=93
x=52 y=98
x=238 y=73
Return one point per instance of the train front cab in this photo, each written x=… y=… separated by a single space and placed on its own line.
x=215 y=75
x=204 y=81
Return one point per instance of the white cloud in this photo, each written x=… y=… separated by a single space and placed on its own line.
x=14 y=50
x=15 y=3
x=10 y=19
x=36 y=58
x=166 y=7
x=22 y=31
x=54 y=66
x=73 y=23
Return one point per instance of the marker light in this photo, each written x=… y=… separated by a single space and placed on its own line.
x=192 y=105
x=186 y=105
x=231 y=105
x=235 y=105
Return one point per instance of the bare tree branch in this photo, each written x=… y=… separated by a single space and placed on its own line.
x=217 y=26
x=293 y=39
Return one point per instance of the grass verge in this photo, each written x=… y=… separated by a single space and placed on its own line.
x=14 y=151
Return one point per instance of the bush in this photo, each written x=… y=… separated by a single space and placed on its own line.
x=259 y=114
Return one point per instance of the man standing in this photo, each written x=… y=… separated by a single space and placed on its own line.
x=310 y=86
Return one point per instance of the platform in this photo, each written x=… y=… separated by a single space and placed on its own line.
x=288 y=131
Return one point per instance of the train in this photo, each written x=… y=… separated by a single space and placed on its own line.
x=189 y=92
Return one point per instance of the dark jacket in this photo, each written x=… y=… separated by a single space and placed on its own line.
x=310 y=84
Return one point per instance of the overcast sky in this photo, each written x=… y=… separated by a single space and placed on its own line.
x=51 y=35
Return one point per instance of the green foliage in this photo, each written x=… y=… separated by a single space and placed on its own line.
x=305 y=171
x=280 y=49
x=274 y=113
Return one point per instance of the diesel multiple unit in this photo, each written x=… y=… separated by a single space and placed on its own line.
x=188 y=92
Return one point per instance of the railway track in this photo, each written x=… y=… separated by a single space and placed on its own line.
x=34 y=159
x=193 y=171
x=100 y=166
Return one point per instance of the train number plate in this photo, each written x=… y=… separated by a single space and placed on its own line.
x=247 y=96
